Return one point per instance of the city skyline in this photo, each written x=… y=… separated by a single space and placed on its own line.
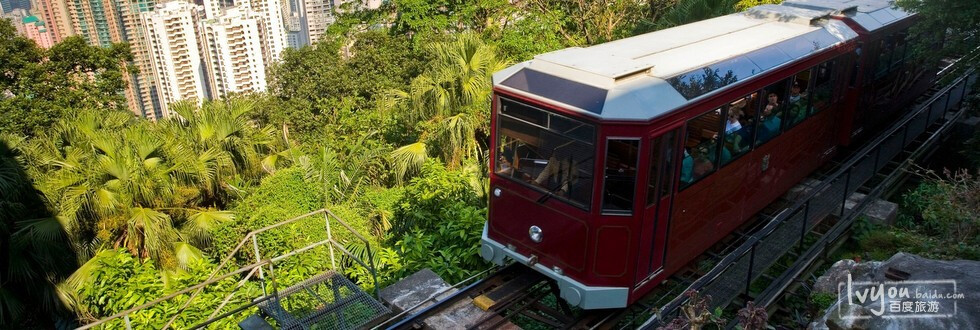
x=182 y=49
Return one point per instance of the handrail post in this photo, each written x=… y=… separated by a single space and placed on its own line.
x=748 y=278
x=905 y=132
x=806 y=212
x=946 y=105
x=847 y=188
x=258 y=258
x=877 y=159
x=326 y=221
x=374 y=271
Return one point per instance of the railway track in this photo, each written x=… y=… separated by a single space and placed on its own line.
x=515 y=291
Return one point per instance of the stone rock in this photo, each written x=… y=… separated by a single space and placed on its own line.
x=920 y=276
x=414 y=289
x=836 y=322
x=827 y=283
x=880 y=212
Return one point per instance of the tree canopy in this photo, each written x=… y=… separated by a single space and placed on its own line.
x=38 y=86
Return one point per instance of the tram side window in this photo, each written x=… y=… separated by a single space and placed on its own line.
x=901 y=51
x=620 y=175
x=739 y=120
x=852 y=81
x=799 y=99
x=823 y=84
x=701 y=147
x=770 y=122
x=548 y=152
x=661 y=168
x=885 y=49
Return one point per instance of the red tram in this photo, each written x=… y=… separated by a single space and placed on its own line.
x=617 y=164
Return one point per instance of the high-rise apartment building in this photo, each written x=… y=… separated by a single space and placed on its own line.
x=35 y=30
x=318 y=15
x=232 y=50
x=16 y=18
x=7 y=6
x=142 y=84
x=104 y=22
x=98 y=21
x=171 y=33
x=271 y=29
x=54 y=13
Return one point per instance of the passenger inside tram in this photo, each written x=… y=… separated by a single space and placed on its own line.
x=737 y=133
x=505 y=165
x=798 y=98
x=695 y=166
x=770 y=121
x=702 y=146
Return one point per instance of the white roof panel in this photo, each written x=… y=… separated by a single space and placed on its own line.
x=696 y=55
x=634 y=78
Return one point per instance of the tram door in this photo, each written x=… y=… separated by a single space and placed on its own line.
x=659 y=197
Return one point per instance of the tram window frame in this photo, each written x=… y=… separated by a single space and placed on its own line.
x=804 y=96
x=899 y=56
x=856 y=58
x=705 y=154
x=883 y=65
x=840 y=76
x=661 y=171
x=779 y=108
x=829 y=84
x=748 y=127
x=586 y=182
x=631 y=197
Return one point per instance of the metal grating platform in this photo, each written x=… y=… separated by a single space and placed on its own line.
x=325 y=301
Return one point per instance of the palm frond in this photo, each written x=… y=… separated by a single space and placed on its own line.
x=408 y=159
x=187 y=255
x=201 y=223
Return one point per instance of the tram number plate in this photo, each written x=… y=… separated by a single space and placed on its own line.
x=765 y=163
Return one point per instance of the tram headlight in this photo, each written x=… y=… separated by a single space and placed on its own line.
x=535 y=233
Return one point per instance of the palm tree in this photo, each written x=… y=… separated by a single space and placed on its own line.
x=452 y=100
x=33 y=253
x=216 y=142
x=115 y=181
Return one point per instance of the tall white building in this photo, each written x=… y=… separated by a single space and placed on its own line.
x=171 y=33
x=272 y=30
x=233 y=52
x=318 y=15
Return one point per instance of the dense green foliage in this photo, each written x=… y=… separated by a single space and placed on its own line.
x=44 y=85
x=384 y=122
x=954 y=23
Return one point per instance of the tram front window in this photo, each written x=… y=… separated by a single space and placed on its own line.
x=549 y=152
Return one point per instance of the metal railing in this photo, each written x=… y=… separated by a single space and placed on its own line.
x=262 y=270
x=736 y=272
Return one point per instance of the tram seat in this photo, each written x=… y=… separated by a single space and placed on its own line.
x=687 y=169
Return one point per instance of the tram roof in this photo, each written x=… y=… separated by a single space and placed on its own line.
x=646 y=76
x=869 y=14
